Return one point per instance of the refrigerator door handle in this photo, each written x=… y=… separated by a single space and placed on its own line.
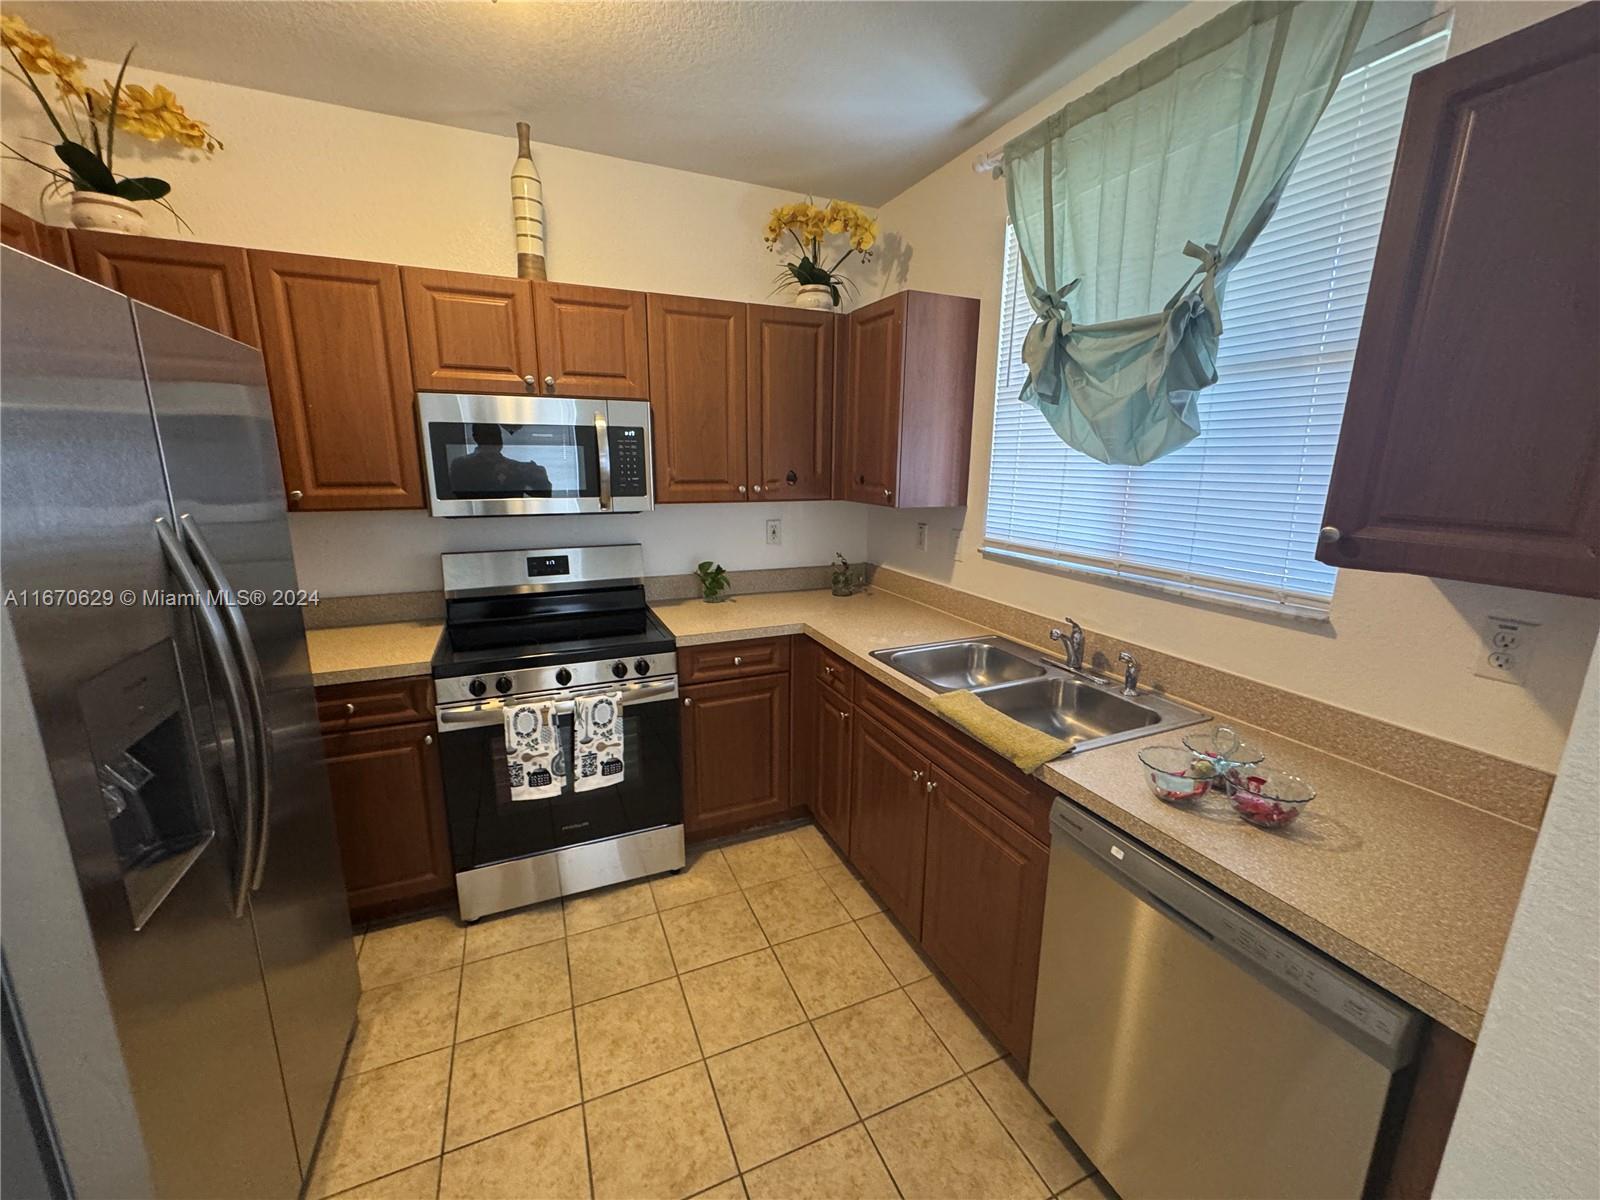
x=256 y=690
x=216 y=638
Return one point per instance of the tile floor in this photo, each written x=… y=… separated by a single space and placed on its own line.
x=754 y=1027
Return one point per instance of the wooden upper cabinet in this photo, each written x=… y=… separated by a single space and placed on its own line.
x=21 y=232
x=591 y=341
x=697 y=398
x=1471 y=439
x=206 y=284
x=790 y=409
x=905 y=435
x=469 y=333
x=333 y=333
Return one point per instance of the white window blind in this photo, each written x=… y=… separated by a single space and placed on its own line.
x=1234 y=515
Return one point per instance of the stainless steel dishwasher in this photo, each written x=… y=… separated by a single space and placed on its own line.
x=1194 y=1049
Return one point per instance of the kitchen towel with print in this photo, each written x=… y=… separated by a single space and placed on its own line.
x=596 y=741
x=534 y=759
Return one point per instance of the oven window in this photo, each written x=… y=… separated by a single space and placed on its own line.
x=493 y=461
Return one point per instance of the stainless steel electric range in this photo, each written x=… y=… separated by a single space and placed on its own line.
x=533 y=625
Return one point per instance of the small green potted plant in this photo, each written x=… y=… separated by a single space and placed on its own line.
x=714 y=582
x=843 y=577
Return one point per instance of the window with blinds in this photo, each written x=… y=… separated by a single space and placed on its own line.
x=1233 y=516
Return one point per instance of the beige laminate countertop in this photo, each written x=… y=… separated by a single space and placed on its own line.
x=1408 y=888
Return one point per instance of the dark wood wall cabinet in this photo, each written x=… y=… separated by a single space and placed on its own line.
x=789 y=402
x=905 y=430
x=735 y=729
x=22 y=232
x=388 y=803
x=697 y=394
x=470 y=333
x=209 y=285
x=1471 y=439
x=592 y=341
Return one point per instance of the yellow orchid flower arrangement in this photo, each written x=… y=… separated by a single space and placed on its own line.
x=151 y=113
x=810 y=226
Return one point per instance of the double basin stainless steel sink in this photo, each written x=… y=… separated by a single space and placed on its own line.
x=1031 y=687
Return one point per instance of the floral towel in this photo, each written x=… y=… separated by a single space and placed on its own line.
x=597 y=741
x=534 y=759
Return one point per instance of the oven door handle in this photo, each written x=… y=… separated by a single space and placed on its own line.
x=492 y=712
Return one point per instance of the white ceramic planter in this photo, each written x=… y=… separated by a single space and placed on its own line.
x=96 y=210
x=813 y=295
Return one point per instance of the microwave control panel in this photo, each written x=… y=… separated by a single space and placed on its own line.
x=628 y=464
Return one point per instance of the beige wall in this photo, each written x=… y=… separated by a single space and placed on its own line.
x=1400 y=648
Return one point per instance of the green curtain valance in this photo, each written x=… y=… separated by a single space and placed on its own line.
x=1133 y=203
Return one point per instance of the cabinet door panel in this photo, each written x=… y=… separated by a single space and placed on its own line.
x=802 y=724
x=21 y=232
x=1471 y=440
x=388 y=806
x=469 y=333
x=209 y=285
x=735 y=752
x=983 y=908
x=697 y=390
x=889 y=818
x=334 y=337
x=831 y=739
x=791 y=377
x=871 y=432
x=592 y=341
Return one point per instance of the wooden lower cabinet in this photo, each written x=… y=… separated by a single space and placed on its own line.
x=889 y=818
x=983 y=908
x=735 y=753
x=830 y=798
x=388 y=807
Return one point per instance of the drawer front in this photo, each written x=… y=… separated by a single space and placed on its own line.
x=835 y=673
x=1021 y=798
x=370 y=704
x=732 y=660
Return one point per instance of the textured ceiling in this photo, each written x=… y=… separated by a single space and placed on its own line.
x=855 y=99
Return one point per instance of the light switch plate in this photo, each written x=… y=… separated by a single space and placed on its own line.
x=1507 y=647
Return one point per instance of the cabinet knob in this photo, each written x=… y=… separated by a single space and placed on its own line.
x=828 y=671
x=738 y=660
x=741 y=489
x=350 y=710
x=687 y=701
x=530 y=381
x=294 y=496
x=549 y=383
x=930 y=786
x=887 y=493
x=916 y=776
x=427 y=739
x=757 y=487
x=1329 y=534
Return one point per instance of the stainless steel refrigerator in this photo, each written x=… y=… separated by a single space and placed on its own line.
x=180 y=983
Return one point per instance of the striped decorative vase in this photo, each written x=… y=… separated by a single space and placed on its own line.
x=527 y=209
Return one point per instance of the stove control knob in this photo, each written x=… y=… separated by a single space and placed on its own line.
x=503 y=684
x=563 y=677
x=477 y=687
x=642 y=666
x=619 y=669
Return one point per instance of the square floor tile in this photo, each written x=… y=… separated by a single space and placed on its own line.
x=884 y=1051
x=763 y=859
x=947 y=1143
x=609 y=905
x=515 y=930
x=842 y=1166
x=632 y=1036
x=793 y=907
x=852 y=893
x=732 y=1189
x=709 y=931
x=382 y=1121
x=398 y=952
x=629 y=1129
x=957 y=1028
x=1093 y=1188
x=420 y=1182
x=833 y=969
x=545 y=1160
x=511 y=1077
x=617 y=957
x=896 y=950
x=1053 y=1154
x=740 y=1000
x=705 y=875
x=815 y=846
x=510 y=988
x=402 y=1020
x=777 y=1094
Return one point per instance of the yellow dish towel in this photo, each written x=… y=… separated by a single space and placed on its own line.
x=1006 y=736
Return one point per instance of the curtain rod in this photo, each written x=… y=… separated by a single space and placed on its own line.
x=990 y=164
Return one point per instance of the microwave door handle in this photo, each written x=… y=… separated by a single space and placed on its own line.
x=216 y=639
x=603 y=445
x=255 y=686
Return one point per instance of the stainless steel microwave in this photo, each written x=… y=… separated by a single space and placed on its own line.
x=496 y=456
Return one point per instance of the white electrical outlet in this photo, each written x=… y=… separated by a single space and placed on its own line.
x=1506 y=650
x=774 y=531
x=922 y=535
x=955 y=544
